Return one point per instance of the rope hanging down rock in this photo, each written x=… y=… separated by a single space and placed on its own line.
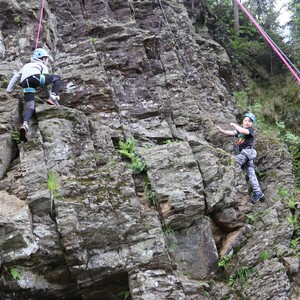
x=40 y=23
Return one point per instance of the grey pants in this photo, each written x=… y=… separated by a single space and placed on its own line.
x=246 y=160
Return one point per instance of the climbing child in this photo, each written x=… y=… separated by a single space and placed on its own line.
x=247 y=152
x=35 y=74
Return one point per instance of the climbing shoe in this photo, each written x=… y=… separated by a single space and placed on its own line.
x=256 y=197
x=23 y=132
x=53 y=100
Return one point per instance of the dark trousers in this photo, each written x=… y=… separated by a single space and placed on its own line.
x=34 y=82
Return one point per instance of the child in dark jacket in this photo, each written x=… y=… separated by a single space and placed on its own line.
x=247 y=152
x=33 y=75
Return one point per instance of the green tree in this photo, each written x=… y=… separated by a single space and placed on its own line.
x=249 y=45
x=264 y=12
x=294 y=29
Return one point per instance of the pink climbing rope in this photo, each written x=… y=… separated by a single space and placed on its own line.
x=40 y=24
x=267 y=39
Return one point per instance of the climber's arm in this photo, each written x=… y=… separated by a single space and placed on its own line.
x=227 y=132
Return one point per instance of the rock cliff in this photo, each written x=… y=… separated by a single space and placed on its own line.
x=80 y=221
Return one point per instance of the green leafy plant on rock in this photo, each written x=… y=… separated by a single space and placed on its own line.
x=166 y=228
x=265 y=255
x=293 y=203
x=53 y=186
x=138 y=165
x=94 y=40
x=294 y=243
x=128 y=150
x=15 y=273
x=250 y=218
x=293 y=220
x=17 y=20
x=124 y=294
x=170 y=142
x=225 y=260
x=290 y=197
x=283 y=193
x=4 y=83
x=15 y=136
x=151 y=197
x=242 y=275
x=149 y=194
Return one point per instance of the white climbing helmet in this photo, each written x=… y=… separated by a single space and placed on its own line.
x=39 y=53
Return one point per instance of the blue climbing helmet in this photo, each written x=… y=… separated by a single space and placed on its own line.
x=39 y=53
x=250 y=115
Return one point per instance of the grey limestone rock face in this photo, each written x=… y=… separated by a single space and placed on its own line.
x=76 y=220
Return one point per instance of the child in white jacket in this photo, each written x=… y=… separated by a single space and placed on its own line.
x=33 y=75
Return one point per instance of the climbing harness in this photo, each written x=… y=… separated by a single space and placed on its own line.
x=272 y=44
x=189 y=69
x=29 y=90
x=40 y=24
x=42 y=80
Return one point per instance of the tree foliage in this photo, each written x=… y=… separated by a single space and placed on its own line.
x=294 y=28
x=263 y=11
x=248 y=44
